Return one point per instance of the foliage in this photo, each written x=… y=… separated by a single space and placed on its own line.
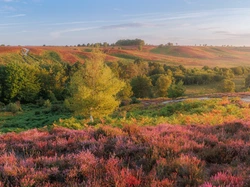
x=47 y=103
x=53 y=78
x=176 y=90
x=196 y=112
x=126 y=92
x=30 y=117
x=2 y=81
x=21 y=82
x=129 y=42
x=247 y=81
x=228 y=85
x=70 y=123
x=128 y=156
x=53 y=55
x=128 y=70
x=162 y=85
x=13 y=107
x=141 y=86
x=94 y=89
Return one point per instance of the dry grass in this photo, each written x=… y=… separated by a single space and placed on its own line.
x=189 y=56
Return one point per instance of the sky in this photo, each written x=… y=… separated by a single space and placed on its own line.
x=72 y=22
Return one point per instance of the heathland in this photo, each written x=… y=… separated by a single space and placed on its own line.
x=124 y=115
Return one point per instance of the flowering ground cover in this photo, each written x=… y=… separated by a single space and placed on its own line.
x=162 y=155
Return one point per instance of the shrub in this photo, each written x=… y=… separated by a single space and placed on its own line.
x=56 y=108
x=134 y=100
x=13 y=107
x=47 y=103
x=70 y=123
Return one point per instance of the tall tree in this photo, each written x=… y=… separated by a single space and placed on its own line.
x=94 y=88
x=141 y=86
x=176 y=90
x=162 y=85
x=228 y=85
x=126 y=92
x=2 y=82
x=21 y=82
x=247 y=81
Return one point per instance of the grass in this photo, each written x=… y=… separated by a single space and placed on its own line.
x=212 y=112
x=31 y=117
x=192 y=90
x=195 y=112
x=186 y=55
x=125 y=56
x=170 y=50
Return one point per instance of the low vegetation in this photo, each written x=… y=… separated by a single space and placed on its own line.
x=164 y=155
x=129 y=122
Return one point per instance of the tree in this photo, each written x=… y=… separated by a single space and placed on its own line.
x=21 y=82
x=141 y=86
x=129 y=42
x=238 y=70
x=162 y=85
x=126 y=92
x=228 y=86
x=176 y=90
x=128 y=70
x=2 y=82
x=140 y=47
x=247 y=81
x=94 y=88
x=53 y=80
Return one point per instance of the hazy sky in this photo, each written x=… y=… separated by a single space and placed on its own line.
x=71 y=22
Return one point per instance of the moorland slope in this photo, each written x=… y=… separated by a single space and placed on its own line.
x=192 y=56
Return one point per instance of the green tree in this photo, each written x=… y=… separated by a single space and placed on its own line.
x=176 y=90
x=141 y=86
x=126 y=92
x=2 y=82
x=162 y=85
x=238 y=70
x=247 y=81
x=53 y=78
x=94 y=88
x=228 y=86
x=21 y=82
x=128 y=70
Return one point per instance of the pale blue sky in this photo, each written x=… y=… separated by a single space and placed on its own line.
x=70 y=22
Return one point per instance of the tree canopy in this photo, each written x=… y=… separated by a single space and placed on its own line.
x=129 y=42
x=94 y=88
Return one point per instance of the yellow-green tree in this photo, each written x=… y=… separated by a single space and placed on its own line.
x=94 y=88
x=162 y=85
x=228 y=85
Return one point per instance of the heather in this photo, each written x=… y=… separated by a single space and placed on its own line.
x=162 y=155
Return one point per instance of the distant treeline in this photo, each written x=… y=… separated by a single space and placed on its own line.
x=125 y=42
x=129 y=42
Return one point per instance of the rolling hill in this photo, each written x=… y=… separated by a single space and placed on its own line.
x=193 y=56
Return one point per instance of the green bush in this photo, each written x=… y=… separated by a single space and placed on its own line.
x=13 y=107
x=47 y=103
x=134 y=100
x=71 y=123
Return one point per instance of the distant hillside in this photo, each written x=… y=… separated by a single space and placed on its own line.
x=172 y=55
